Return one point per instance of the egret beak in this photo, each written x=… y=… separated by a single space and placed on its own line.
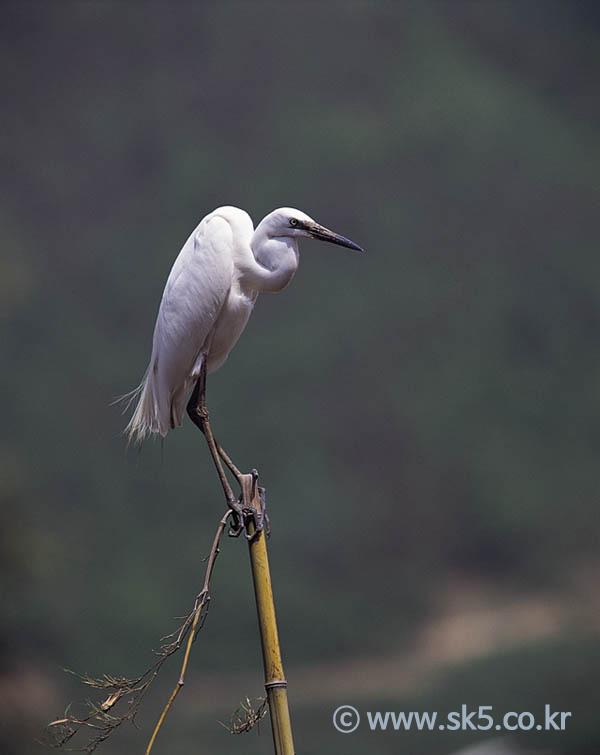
x=324 y=234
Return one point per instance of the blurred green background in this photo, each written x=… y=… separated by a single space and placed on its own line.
x=426 y=417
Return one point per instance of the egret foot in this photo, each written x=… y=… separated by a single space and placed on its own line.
x=251 y=506
x=238 y=518
x=257 y=514
x=260 y=517
x=241 y=516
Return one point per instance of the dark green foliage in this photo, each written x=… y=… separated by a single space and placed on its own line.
x=429 y=408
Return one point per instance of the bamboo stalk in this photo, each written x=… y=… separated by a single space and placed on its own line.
x=275 y=682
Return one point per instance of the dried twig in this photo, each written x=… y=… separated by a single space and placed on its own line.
x=198 y=617
x=101 y=718
x=246 y=717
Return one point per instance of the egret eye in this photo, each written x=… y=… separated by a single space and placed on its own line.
x=293 y=221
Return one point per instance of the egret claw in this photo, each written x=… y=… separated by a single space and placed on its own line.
x=262 y=494
x=235 y=529
x=236 y=526
x=259 y=517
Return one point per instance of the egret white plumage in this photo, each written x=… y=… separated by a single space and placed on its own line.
x=208 y=298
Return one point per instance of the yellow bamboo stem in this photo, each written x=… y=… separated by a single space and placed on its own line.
x=275 y=682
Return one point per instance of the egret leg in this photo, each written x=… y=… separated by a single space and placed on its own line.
x=198 y=400
x=198 y=413
x=227 y=459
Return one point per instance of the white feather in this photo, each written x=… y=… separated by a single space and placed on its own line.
x=207 y=301
x=194 y=295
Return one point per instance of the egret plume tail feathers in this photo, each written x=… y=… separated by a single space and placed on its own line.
x=146 y=418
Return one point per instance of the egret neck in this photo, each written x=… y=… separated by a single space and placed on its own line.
x=274 y=262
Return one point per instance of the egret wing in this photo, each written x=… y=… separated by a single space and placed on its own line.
x=195 y=292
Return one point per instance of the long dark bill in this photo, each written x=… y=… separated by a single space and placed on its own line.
x=324 y=234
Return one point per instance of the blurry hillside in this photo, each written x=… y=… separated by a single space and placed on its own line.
x=426 y=416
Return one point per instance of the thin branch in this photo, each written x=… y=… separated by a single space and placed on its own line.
x=199 y=615
x=100 y=717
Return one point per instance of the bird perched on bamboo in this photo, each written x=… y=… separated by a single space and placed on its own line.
x=208 y=298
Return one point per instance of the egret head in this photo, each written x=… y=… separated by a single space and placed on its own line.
x=288 y=222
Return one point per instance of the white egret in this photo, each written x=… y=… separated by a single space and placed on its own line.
x=208 y=298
